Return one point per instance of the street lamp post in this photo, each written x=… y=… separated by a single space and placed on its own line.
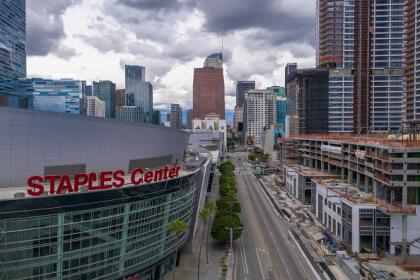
x=231 y=243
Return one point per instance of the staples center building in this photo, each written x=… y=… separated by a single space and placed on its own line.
x=91 y=198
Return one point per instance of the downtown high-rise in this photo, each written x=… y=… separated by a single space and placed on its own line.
x=138 y=91
x=12 y=49
x=209 y=89
x=307 y=102
x=241 y=88
x=412 y=61
x=361 y=43
x=176 y=116
x=106 y=93
x=259 y=113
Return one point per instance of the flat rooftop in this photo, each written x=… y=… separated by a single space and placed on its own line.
x=352 y=194
x=373 y=139
x=310 y=172
x=347 y=191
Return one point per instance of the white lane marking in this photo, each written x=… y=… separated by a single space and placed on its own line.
x=273 y=239
x=245 y=262
x=259 y=261
x=304 y=255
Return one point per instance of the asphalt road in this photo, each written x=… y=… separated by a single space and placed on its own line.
x=265 y=250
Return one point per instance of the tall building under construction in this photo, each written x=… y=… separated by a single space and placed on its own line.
x=361 y=43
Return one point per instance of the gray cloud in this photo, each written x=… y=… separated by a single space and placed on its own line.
x=45 y=26
x=171 y=37
x=152 y=4
x=227 y=16
x=111 y=42
x=65 y=52
x=140 y=48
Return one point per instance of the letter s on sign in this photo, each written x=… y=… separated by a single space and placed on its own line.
x=118 y=178
x=34 y=183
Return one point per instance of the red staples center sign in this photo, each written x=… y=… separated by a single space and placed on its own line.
x=57 y=184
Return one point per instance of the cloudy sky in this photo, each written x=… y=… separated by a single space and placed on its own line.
x=93 y=39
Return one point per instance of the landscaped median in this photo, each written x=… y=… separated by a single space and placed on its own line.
x=228 y=207
x=227 y=221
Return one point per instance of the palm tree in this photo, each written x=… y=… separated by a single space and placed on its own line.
x=211 y=209
x=177 y=228
x=203 y=215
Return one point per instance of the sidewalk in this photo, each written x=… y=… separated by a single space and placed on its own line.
x=188 y=267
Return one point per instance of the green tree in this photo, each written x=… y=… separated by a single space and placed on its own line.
x=227 y=180
x=252 y=157
x=226 y=167
x=177 y=229
x=222 y=223
x=227 y=190
x=230 y=204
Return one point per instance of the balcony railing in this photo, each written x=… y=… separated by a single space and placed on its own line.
x=395 y=208
x=381 y=177
x=383 y=157
x=384 y=168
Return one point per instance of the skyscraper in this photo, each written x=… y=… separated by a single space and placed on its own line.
x=176 y=116
x=411 y=58
x=106 y=92
x=241 y=88
x=12 y=42
x=89 y=90
x=361 y=42
x=281 y=111
x=95 y=88
x=138 y=91
x=156 y=117
x=189 y=119
x=214 y=60
x=307 y=108
x=290 y=67
x=120 y=97
x=259 y=113
x=238 y=118
x=209 y=89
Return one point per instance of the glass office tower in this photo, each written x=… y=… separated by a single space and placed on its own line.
x=12 y=49
x=138 y=91
x=62 y=96
x=106 y=92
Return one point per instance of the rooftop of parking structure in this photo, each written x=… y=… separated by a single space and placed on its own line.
x=308 y=171
x=346 y=190
x=373 y=139
x=356 y=196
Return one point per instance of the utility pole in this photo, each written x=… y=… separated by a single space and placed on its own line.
x=231 y=243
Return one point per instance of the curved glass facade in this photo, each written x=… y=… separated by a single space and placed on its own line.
x=113 y=234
